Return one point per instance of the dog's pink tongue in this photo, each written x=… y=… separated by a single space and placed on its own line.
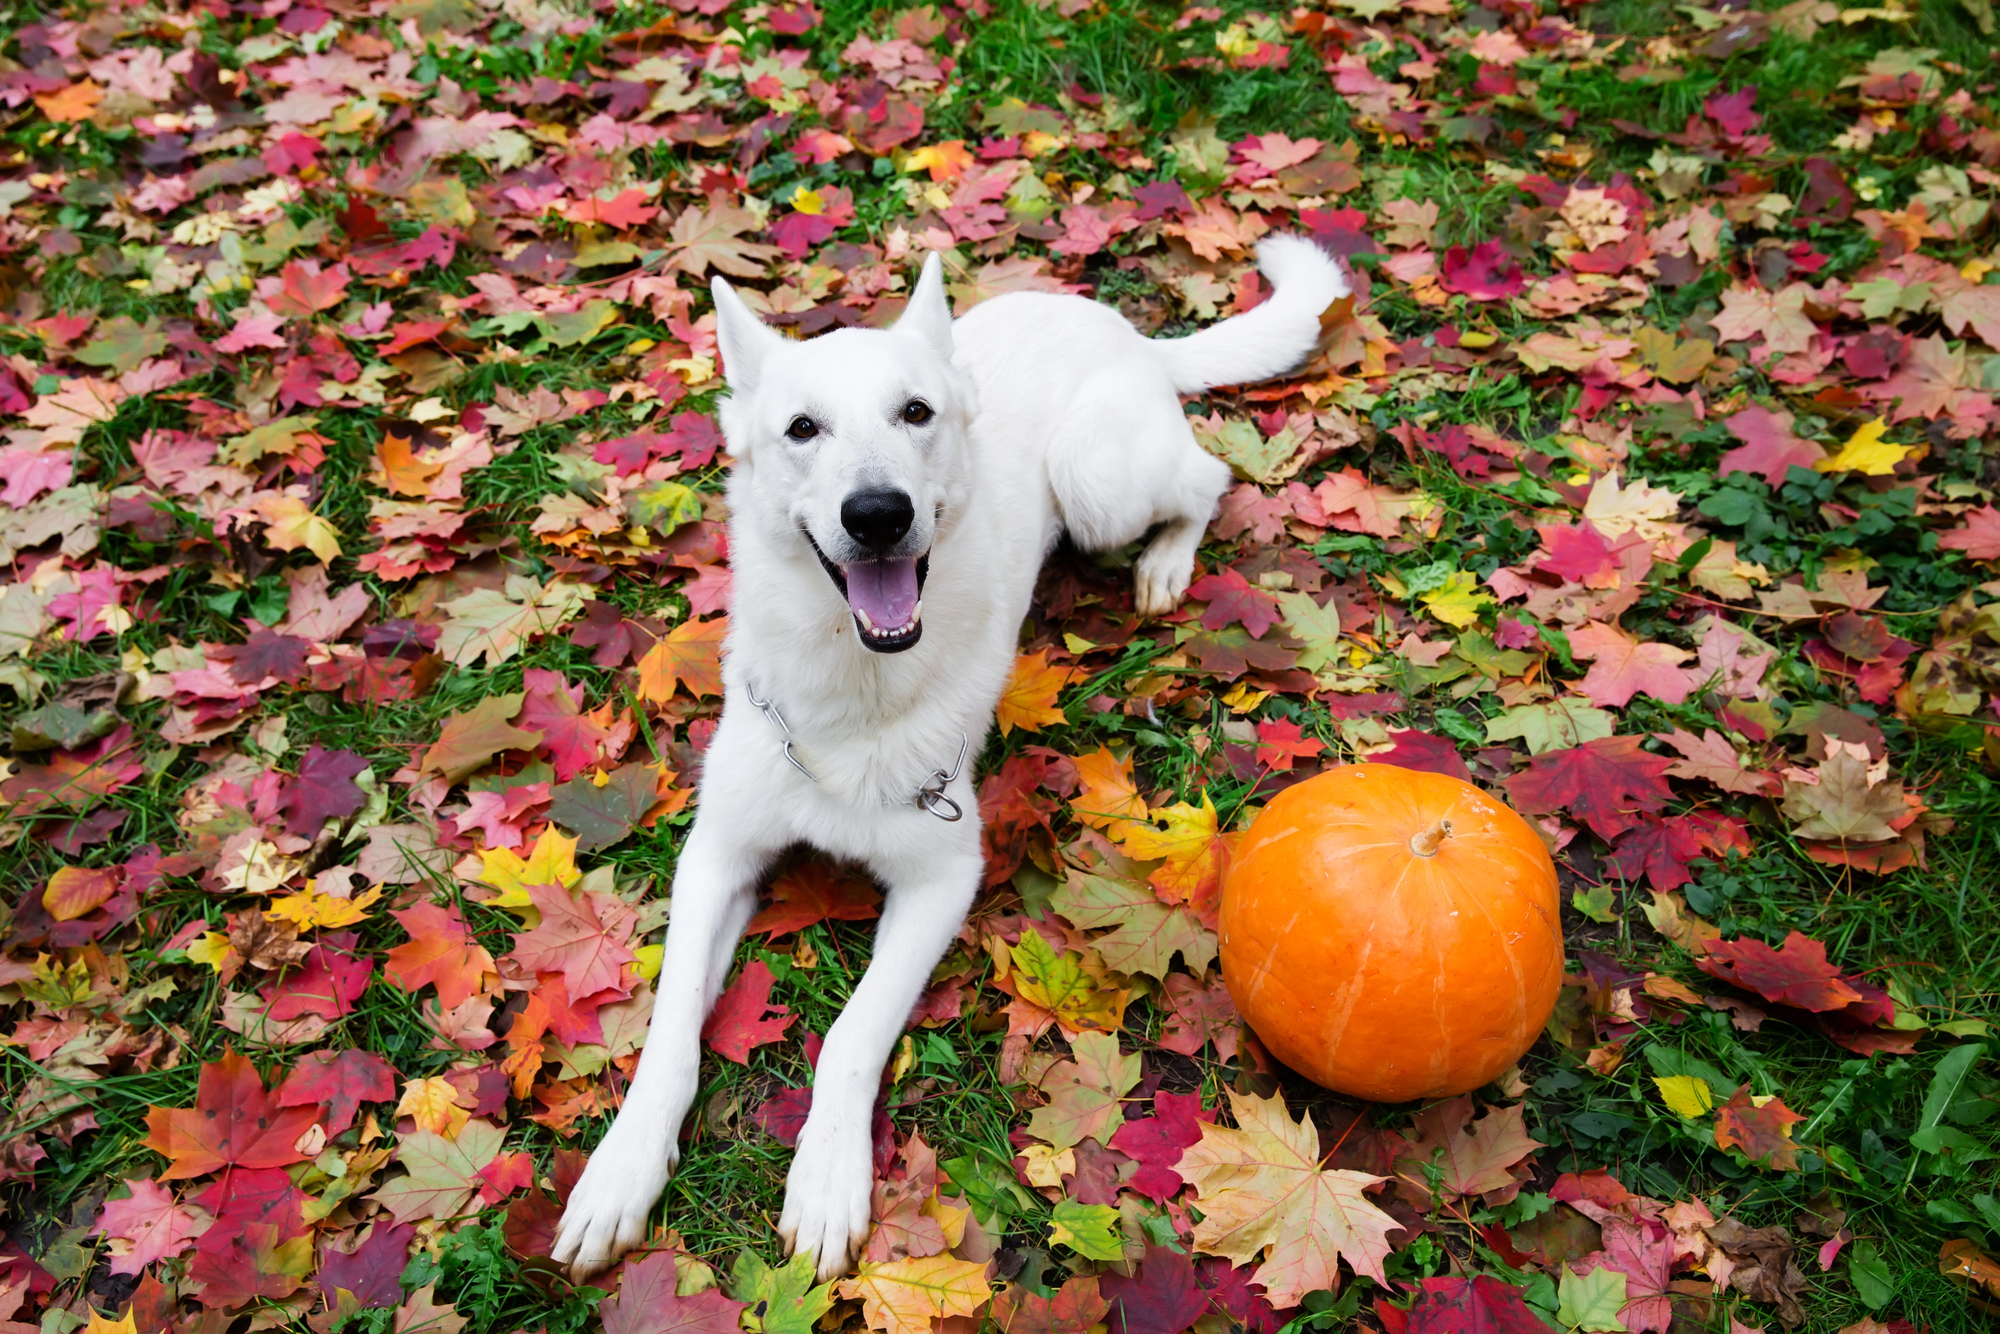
x=884 y=590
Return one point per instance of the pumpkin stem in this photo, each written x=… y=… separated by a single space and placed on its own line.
x=1427 y=843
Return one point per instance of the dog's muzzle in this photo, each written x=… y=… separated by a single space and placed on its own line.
x=886 y=597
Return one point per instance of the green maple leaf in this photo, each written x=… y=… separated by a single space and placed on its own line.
x=602 y=816
x=1085 y=1094
x=123 y=343
x=1557 y=724
x=443 y=1173
x=1148 y=932
x=1317 y=627
x=470 y=739
x=782 y=1300
x=1091 y=1230
x=1593 y=1301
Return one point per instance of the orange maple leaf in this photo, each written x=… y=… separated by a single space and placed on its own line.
x=1109 y=797
x=690 y=655
x=1029 y=701
x=233 y=1123
x=400 y=471
x=441 y=950
x=66 y=106
x=1193 y=851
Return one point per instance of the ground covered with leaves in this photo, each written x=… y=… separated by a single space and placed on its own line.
x=366 y=570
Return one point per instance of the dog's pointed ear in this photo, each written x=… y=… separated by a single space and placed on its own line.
x=743 y=339
x=928 y=316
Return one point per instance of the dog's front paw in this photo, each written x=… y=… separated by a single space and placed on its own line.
x=1160 y=578
x=607 y=1211
x=827 y=1199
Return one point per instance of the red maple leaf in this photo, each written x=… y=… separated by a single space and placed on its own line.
x=326 y=984
x=1234 y=600
x=1231 y=652
x=1979 y=538
x=323 y=790
x=1657 y=850
x=1161 y=1296
x=1250 y=509
x=647 y=1303
x=1769 y=449
x=745 y=1017
x=1075 y=1308
x=1010 y=811
x=232 y=1124
x=784 y=1116
x=1456 y=1304
x=266 y=653
x=1158 y=1141
x=373 y=1270
x=305 y=290
x=553 y=707
x=1579 y=553
x=1280 y=743
x=1622 y=667
x=629 y=209
x=1758 y=1132
x=587 y=937
x=695 y=437
x=1607 y=783
x=1485 y=273
x=1424 y=753
x=605 y=629
x=815 y=892
x=342 y=1081
x=1797 y=973
x=710 y=589
x=441 y=951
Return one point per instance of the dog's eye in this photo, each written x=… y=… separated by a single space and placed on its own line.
x=802 y=428
x=916 y=412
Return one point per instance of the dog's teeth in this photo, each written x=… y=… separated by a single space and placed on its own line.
x=917 y=612
x=866 y=624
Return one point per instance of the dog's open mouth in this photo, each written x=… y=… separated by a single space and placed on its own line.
x=886 y=597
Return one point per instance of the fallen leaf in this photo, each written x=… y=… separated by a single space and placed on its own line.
x=1263 y=1194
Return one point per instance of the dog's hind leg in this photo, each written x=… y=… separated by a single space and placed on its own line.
x=1125 y=462
x=827 y=1194
x=714 y=895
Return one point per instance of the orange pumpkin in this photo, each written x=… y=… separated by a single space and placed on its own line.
x=1392 y=934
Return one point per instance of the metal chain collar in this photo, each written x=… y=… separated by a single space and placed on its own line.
x=930 y=795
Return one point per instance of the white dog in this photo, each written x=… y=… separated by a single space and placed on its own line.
x=894 y=494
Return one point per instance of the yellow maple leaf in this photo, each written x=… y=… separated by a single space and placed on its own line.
x=1866 y=453
x=310 y=908
x=552 y=861
x=1067 y=985
x=291 y=525
x=1108 y=797
x=100 y=1324
x=433 y=1105
x=1191 y=846
x=1457 y=601
x=1029 y=701
x=907 y=1296
x=1263 y=1194
x=211 y=948
x=1685 y=1095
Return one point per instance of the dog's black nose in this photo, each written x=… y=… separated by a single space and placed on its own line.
x=877 y=519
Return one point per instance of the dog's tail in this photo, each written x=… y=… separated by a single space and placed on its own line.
x=1273 y=338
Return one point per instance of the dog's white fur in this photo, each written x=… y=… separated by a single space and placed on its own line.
x=1053 y=414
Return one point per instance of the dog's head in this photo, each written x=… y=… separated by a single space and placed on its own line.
x=856 y=441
